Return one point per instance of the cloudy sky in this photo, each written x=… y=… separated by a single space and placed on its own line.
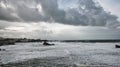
x=60 y=19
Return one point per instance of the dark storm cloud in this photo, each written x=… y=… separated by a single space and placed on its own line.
x=51 y=10
x=88 y=12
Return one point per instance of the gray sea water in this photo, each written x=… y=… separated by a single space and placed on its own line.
x=60 y=55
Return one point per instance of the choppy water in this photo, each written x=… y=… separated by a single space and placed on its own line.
x=60 y=55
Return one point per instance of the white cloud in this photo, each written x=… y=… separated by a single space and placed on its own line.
x=45 y=30
x=111 y=6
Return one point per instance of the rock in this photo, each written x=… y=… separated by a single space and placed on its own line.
x=117 y=46
x=2 y=49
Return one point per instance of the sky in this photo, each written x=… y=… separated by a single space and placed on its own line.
x=60 y=19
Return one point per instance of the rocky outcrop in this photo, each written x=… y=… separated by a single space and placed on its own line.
x=7 y=42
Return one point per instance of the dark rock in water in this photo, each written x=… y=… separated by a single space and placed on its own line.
x=117 y=46
x=2 y=49
x=47 y=44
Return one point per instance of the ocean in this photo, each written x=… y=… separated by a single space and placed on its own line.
x=62 y=54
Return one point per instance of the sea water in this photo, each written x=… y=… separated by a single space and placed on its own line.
x=62 y=54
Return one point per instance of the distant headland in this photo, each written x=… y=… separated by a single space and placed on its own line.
x=12 y=41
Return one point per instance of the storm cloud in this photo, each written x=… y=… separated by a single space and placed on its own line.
x=86 y=12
